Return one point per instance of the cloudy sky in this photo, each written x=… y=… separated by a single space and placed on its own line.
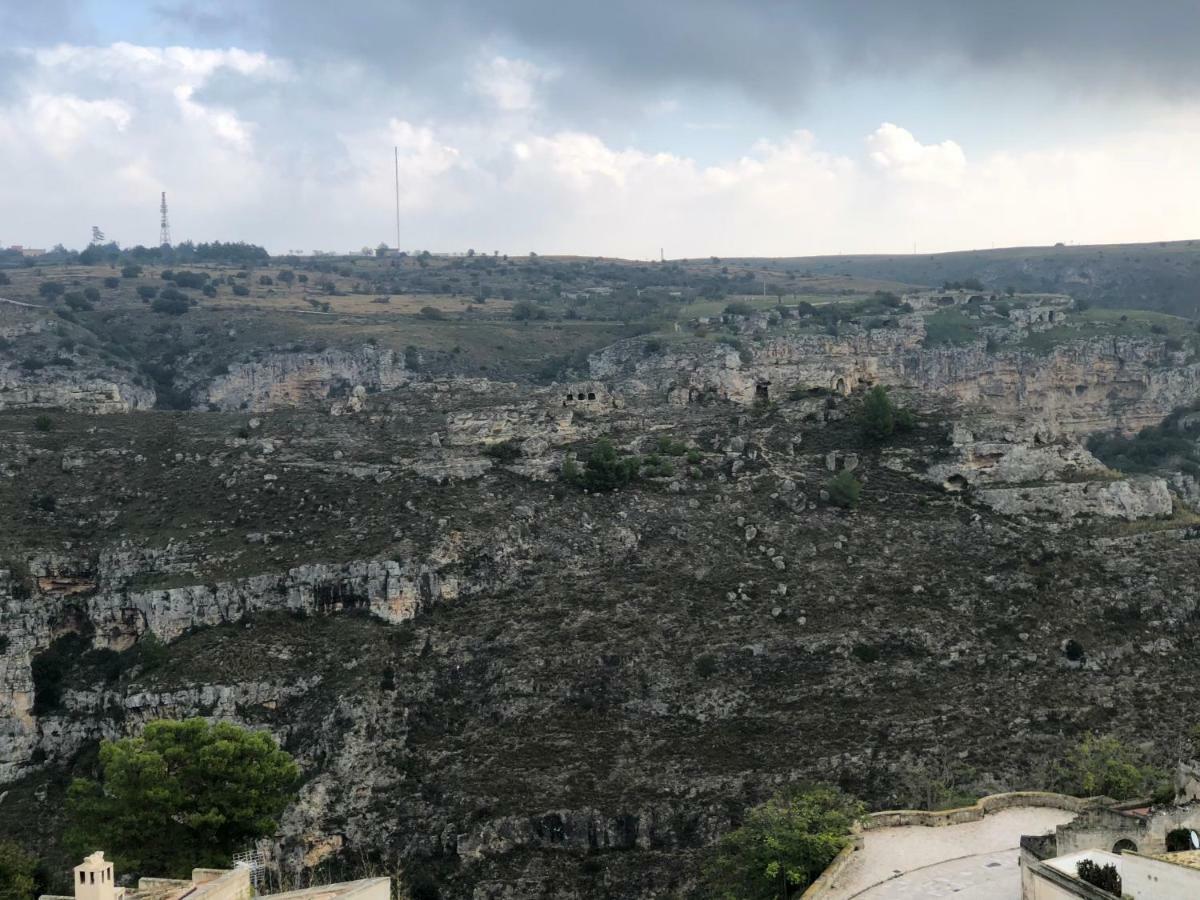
x=726 y=127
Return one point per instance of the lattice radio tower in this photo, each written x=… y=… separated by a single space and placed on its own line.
x=164 y=228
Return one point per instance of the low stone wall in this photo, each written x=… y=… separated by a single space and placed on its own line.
x=898 y=818
x=963 y=814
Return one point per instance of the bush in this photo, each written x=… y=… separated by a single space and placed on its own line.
x=431 y=312
x=76 y=301
x=783 y=845
x=240 y=290
x=706 y=665
x=182 y=794
x=51 y=289
x=1104 y=877
x=881 y=418
x=112 y=282
x=604 y=470
x=739 y=308
x=1104 y=766
x=131 y=272
x=195 y=280
x=172 y=306
x=17 y=872
x=4 y=279
x=43 y=423
x=524 y=311
x=147 y=291
x=91 y=295
x=844 y=490
x=265 y=280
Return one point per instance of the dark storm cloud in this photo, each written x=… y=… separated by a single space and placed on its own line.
x=770 y=50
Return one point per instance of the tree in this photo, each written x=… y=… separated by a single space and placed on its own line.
x=1103 y=766
x=1105 y=877
x=17 y=870
x=783 y=845
x=881 y=418
x=183 y=794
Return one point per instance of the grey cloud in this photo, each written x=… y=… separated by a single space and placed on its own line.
x=772 y=51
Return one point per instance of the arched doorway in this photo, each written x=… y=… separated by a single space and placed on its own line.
x=1124 y=844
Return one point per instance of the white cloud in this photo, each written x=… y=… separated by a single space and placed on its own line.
x=896 y=151
x=97 y=132
x=510 y=84
x=61 y=122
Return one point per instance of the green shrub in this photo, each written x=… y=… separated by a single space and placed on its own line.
x=240 y=290
x=43 y=423
x=880 y=418
x=170 y=304
x=706 y=665
x=1104 y=877
x=18 y=872
x=605 y=470
x=431 y=312
x=112 y=283
x=131 y=272
x=147 y=291
x=782 y=846
x=739 y=308
x=844 y=490
x=1103 y=766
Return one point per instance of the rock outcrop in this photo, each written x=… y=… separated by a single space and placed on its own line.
x=1077 y=387
x=295 y=379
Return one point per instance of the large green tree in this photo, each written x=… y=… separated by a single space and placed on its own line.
x=783 y=845
x=182 y=794
x=17 y=870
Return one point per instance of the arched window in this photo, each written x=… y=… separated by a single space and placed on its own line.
x=1124 y=844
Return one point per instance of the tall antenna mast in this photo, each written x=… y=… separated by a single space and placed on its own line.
x=164 y=228
x=396 y=159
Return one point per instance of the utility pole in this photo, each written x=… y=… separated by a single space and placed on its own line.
x=396 y=161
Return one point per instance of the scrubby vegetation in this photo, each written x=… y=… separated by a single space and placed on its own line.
x=1105 y=767
x=844 y=490
x=1173 y=445
x=783 y=845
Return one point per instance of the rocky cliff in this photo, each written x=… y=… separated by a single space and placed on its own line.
x=298 y=379
x=1077 y=387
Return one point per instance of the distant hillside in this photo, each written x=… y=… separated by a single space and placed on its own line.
x=1160 y=276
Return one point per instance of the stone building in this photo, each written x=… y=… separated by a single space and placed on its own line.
x=94 y=879
x=1155 y=850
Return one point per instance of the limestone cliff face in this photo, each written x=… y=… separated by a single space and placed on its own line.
x=116 y=619
x=98 y=392
x=1078 y=387
x=294 y=379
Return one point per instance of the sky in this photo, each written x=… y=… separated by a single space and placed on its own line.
x=694 y=127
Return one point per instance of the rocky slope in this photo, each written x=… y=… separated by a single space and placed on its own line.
x=502 y=686
x=506 y=687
